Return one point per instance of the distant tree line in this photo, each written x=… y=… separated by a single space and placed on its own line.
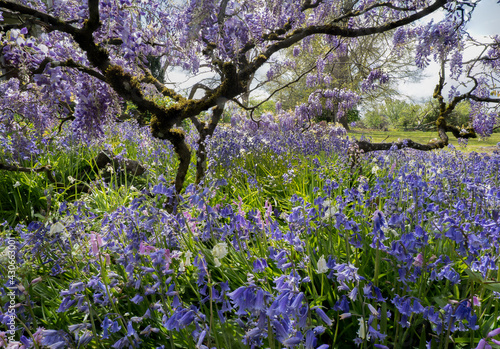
x=408 y=116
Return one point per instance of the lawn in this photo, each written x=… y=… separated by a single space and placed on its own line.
x=476 y=145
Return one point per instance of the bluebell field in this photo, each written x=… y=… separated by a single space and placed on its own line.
x=294 y=240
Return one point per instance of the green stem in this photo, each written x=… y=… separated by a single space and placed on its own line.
x=377 y=267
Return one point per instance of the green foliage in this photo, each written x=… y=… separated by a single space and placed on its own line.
x=32 y=196
x=375 y=120
x=267 y=106
x=460 y=116
x=406 y=116
x=352 y=115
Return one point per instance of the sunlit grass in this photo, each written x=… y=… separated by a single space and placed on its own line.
x=476 y=144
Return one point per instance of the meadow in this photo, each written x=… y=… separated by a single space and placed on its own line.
x=294 y=240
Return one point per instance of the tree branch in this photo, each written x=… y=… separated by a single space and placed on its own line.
x=165 y=91
x=351 y=13
x=308 y=5
x=70 y=64
x=222 y=12
x=93 y=22
x=406 y=143
x=196 y=87
x=51 y=22
x=301 y=33
x=47 y=169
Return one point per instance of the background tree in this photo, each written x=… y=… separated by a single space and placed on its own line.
x=346 y=71
x=92 y=55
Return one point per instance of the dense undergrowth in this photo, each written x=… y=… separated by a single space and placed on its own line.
x=294 y=240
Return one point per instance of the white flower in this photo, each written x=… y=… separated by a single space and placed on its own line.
x=220 y=250
x=182 y=267
x=71 y=179
x=375 y=170
x=322 y=267
x=17 y=184
x=56 y=228
x=4 y=256
x=188 y=256
x=362 y=332
x=331 y=210
x=217 y=262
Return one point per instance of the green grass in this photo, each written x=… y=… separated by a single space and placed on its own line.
x=424 y=137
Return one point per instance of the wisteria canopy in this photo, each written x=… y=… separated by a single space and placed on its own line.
x=79 y=61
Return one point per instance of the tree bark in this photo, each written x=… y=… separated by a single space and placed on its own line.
x=205 y=131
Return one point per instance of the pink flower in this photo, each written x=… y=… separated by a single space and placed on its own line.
x=95 y=243
x=168 y=259
x=476 y=302
x=145 y=248
x=419 y=260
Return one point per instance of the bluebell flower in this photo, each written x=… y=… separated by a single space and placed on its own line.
x=323 y=315
x=186 y=319
x=259 y=265
x=253 y=336
x=311 y=339
x=78 y=327
x=376 y=334
x=342 y=305
x=292 y=341
x=54 y=339
x=281 y=332
x=84 y=339
x=148 y=330
x=67 y=303
x=137 y=299
x=123 y=342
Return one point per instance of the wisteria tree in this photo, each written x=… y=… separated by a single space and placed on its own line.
x=78 y=61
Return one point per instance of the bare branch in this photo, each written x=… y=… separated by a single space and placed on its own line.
x=196 y=87
x=50 y=22
x=222 y=12
x=358 y=13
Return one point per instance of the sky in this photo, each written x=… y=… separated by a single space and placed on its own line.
x=485 y=23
